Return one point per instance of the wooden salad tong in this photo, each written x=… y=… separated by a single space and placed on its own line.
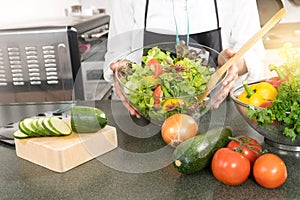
x=216 y=76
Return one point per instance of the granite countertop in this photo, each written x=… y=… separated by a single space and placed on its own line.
x=140 y=167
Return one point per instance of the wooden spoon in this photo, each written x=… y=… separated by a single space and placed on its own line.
x=265 y=29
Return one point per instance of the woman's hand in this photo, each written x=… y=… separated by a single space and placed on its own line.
x=234 y=71
x=113 y=67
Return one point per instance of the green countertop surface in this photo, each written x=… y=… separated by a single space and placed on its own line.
x=140 y=167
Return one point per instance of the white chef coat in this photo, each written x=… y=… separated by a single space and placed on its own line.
x=239 y=20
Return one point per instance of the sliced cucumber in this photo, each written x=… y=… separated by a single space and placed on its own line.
x=48 y=127
x=22 y=129
x=20 y=135
x=28 y=125
x=25 y=127
x=44 y=126
x=36 y=128
x=60 y=127
x=41 y=127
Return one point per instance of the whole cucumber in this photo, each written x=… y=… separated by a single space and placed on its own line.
x=195 y=153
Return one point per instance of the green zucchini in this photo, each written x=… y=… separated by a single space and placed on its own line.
x=36 y=128
x=86 y=119
x=195 y=153
x=59 y=126
x=55 y=126
x=41 y=128
x=20 y=135
x=26 y=127
x=44 y=126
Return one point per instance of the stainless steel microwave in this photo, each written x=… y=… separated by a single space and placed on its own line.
x=41 y=61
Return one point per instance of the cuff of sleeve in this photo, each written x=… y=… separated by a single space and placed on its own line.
x=108 y=75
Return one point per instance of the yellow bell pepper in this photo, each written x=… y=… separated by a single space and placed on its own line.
x=244 y=97
x=258 y=94
x=267 y=90
x=150 y=80
x=172 y=103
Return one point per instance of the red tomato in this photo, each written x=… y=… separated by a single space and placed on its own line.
x=230 y=167
x=247 y=146
x=157 y=94
x=153 y=61
x=266 y=104
x=275 y=81
x=155 y=67
x=178 y=128
x=269 y=171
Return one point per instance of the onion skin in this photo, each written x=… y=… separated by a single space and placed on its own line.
x=178 y=128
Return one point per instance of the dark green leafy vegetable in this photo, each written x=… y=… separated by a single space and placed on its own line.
x=285 y=109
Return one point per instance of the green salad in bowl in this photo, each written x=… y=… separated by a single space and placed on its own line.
x=166 y=79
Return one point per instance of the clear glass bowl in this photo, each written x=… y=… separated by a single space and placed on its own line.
x=273 y=133
x=168 y=105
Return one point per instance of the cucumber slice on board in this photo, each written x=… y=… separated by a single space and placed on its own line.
x=49 y=128
x=22 y=129
x=33 y=124
x=41 y=127
x=36 y=128
x=20 y=135
x=59 y=126
x=25 y=127
x=44 y=126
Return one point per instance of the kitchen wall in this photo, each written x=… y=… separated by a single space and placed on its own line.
x=88 y=4
x=20 y=11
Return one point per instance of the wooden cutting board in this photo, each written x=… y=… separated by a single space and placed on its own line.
x=63 y=153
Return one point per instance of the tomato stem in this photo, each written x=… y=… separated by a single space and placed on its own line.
x=264 y=151
x=236 y=139
x=244 y=141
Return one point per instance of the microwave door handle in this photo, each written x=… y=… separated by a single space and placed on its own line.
x=63 y=59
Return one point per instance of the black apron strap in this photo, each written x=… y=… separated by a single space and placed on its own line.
x=217 y=13
x=146 y=14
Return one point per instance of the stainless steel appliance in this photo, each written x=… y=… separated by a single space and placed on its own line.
x=268 y=8
x=41 y=61
x=94 y=85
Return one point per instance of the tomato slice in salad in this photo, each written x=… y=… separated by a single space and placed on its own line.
x=157 y=95
x=155 y=66
x=153 y=61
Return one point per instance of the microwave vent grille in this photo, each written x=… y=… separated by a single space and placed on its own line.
x=3 y=80
x=14 y=60
x=39 y=66
x=33 y=65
